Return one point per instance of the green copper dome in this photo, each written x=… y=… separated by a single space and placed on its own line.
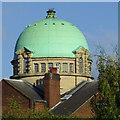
x=51 y=37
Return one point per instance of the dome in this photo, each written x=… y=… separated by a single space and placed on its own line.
x=51 y=37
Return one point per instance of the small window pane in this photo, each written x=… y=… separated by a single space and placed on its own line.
x=58 y=67
x=36 y=67
x=50 y=65
x=43 y=67
x=80 y=65
x=71 y=67
x=64 y=67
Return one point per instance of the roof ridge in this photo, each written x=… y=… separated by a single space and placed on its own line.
x=69 y=95
x=77 y=99
x=21 y=90
x=79 y=86
x=12 y=79
x=29 y=84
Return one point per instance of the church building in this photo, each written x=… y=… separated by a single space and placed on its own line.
x=52 y=69
x=48 y=43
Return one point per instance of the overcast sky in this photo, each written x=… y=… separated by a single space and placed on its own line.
x=97 y=21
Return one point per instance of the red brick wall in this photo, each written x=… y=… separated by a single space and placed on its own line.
x=39 y=106
x=52 y=90
x=8 y=91
x=84 y=111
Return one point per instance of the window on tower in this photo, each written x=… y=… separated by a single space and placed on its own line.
x=80 y=65
x=57 y=65
x=36 y=67
x=71 y=67
x=64 y=66
x=43 y=67
x=50 y=65
x=25 y=70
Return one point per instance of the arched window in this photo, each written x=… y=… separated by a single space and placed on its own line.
x=80 y=65
x=36 y=67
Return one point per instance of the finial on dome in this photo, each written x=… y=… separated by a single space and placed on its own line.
x=51 y=13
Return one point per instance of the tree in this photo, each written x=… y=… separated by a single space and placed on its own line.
x=14 y=110
x=108 y=105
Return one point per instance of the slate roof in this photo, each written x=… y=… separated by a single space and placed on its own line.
x=76 y=98
x=26 y=88
x=70 y=101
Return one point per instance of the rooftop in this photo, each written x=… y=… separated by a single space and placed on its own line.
x=25 y=88
x=76 y=98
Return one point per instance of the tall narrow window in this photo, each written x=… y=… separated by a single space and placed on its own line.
x=50 y=65
x=57 y=65
x=43 y=67
x=64 y=67
x=25 y=70
x=71 y=67
x=36 y=67
x=80 y=65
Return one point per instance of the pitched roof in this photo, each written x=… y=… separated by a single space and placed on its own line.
x=25 y=88
x=76 y=98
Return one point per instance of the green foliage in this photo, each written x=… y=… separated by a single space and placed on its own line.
x=14 y=110
x=108 y=106
x=45 y=114
x=74 y=116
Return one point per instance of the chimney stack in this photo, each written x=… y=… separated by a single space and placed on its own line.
x=52 y=87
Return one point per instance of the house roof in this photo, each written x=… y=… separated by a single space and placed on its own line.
x=25 y=88
x=70 y=101
x=76 y=98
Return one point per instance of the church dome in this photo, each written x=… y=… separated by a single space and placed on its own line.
x=51 y=37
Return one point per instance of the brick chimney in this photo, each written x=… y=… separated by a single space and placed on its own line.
x=52 y=87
